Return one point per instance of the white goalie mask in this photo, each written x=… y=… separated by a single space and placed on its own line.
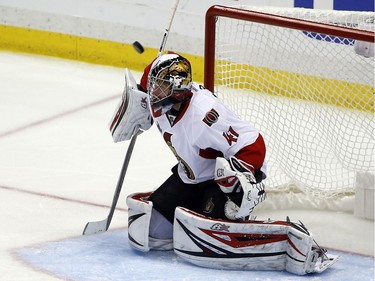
x=169 y=80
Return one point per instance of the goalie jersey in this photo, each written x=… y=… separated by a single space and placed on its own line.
x=203 y=129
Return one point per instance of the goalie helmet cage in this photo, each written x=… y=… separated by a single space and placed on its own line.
x=305 y=78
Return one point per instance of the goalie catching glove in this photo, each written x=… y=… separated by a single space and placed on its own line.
x=235 y=177
x=132 y=113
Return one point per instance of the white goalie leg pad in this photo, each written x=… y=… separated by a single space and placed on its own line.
x=132 y=112
x=300 y=251
x=222 y=244
x=304 y=256
x=142 y=217
x=139 y=210
x=245 y=245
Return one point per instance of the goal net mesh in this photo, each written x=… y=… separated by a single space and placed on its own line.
x=309 y=94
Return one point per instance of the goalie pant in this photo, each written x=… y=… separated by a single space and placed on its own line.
x=212 y=243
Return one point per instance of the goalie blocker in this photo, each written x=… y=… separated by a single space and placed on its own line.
x=225 y=244
x=132 y=112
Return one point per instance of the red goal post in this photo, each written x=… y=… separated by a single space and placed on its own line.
x=247 y=15
x=298 y=76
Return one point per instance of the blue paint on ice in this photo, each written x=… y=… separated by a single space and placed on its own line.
x=108 y=256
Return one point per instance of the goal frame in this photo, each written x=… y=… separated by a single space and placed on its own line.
x=287 y=190
x=222 y=11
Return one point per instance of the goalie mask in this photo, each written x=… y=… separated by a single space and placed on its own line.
x=169 y=80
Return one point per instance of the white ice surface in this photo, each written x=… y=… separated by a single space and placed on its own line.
x=59 y=168
x=109 y=257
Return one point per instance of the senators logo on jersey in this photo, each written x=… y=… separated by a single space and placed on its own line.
x=211 y=117
x=144 y=103
x=188 y=171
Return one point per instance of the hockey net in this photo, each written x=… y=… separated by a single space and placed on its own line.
x=305 y=79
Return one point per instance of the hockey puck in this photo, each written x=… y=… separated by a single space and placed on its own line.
x=138 y=47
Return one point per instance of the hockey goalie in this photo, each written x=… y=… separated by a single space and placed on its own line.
x=203 y=210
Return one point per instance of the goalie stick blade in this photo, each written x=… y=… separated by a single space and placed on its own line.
x=327 y=263
x=95 y=227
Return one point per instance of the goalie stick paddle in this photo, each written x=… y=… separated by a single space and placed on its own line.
x=103 y=225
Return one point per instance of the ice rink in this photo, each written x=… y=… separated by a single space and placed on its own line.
x=59 y=168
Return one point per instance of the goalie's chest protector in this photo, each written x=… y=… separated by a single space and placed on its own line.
x=203 y=131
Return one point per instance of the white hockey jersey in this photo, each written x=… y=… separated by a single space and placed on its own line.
x=204 y=130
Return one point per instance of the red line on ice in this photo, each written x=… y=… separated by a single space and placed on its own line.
x=59 y=115
x=58 y=197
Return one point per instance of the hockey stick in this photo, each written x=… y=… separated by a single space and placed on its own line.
x=103 y=225
x=166 y=33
